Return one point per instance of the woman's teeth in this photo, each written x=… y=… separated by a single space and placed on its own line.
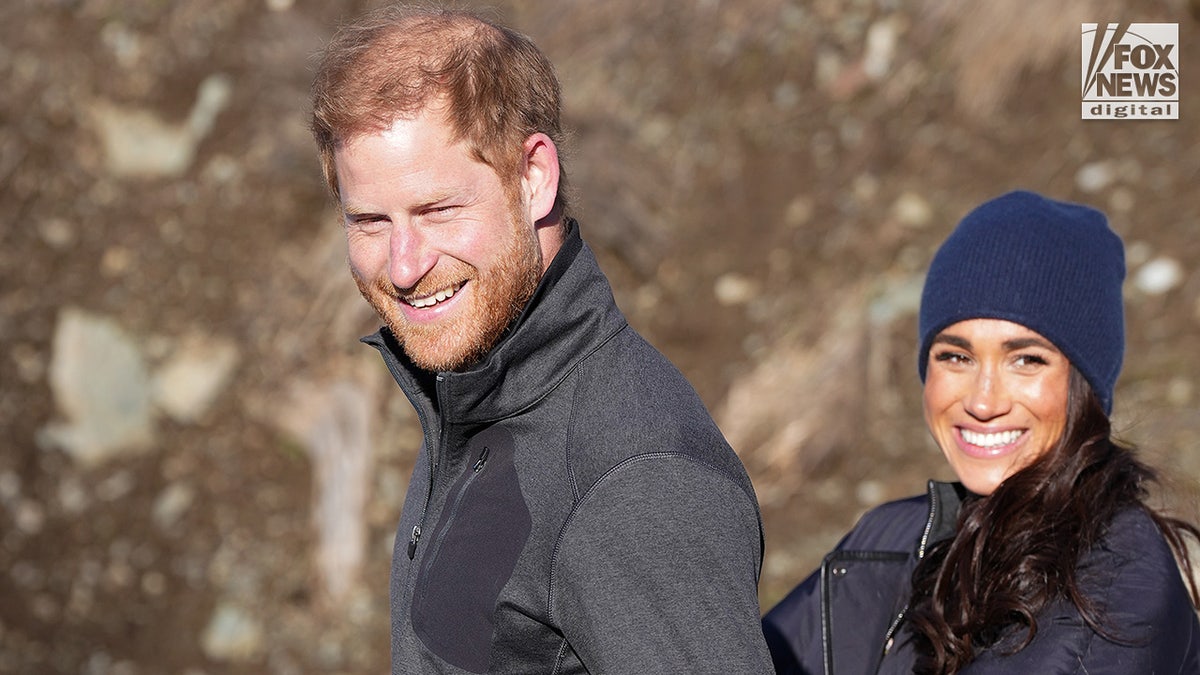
x=990 y=440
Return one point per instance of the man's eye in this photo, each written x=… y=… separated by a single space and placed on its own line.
x=443 y=211
x=367 y=223
x=950 y=357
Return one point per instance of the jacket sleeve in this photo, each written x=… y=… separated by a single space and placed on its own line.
x=657 y=571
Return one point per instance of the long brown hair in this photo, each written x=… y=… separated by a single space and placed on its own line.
x=1016 y=550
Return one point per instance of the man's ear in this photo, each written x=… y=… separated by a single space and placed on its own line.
x=539 y=182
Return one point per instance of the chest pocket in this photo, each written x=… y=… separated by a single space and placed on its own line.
x=863 y=591
x=475 y=547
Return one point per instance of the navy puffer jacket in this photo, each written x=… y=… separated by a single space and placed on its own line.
x=847 y=618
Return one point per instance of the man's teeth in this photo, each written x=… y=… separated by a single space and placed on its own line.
x=430 y=301
x=990 y=440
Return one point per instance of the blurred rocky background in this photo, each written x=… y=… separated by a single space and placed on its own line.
x=201 y=468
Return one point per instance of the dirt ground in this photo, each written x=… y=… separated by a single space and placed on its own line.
x=764 y=181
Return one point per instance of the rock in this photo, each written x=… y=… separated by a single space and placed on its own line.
x=1158 y=276
x=1095 y=176
x=102 y=389
x=195 y=375
x=912 y=210
x=29 y=516
x=734 y=289
x=58 y=233
x=232 y=635
x=880 y=49
x=172 y=504
x=139 y=143
x=870 y=493
x=116 y=261
x=799 y=212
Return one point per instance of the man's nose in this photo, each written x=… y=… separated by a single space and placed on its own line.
x=409 y=256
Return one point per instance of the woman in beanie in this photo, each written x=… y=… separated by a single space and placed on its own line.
x=1044 y=557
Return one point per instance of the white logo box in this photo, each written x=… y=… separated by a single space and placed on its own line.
x=1130 y=71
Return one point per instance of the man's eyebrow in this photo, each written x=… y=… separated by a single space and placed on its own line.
x=436 y=199
x=363 y=217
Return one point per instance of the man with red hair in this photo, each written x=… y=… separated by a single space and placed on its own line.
x=574 y=508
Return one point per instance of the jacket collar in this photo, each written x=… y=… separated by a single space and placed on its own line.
x=571 y=314
x=945 y=501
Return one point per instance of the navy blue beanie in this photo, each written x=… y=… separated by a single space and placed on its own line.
x=1053 y=267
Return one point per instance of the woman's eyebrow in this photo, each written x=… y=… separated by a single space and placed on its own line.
x=952 y=340
x=1023 y=343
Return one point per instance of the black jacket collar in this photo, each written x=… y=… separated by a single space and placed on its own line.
x=945 y=502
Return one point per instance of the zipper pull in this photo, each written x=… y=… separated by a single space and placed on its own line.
x=412 y=541
x=482 y=459
x=890 y=636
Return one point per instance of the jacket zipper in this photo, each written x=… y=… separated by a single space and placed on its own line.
x=890 y=636
x=482 y=460
x=434 y=455
x=452 y=509
x=398 y=374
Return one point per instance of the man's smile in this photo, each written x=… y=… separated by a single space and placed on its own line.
x=429 y=300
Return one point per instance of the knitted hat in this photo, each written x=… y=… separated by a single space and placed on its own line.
x=1053 y=267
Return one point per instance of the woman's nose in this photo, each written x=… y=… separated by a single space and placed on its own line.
x=988 y=396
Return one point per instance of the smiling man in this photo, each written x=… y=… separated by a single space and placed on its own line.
x=573 y=508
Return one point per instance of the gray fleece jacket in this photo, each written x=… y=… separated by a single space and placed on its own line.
x=574 y=508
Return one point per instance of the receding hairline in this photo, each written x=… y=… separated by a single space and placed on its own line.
x=427 y=36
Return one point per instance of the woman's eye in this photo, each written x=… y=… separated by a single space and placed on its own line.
x=1030 y=360
x=950 y=357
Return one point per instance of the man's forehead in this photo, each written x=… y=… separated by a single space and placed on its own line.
x=435 y=112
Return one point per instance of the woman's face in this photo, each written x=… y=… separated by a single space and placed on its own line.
x=995 y=399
